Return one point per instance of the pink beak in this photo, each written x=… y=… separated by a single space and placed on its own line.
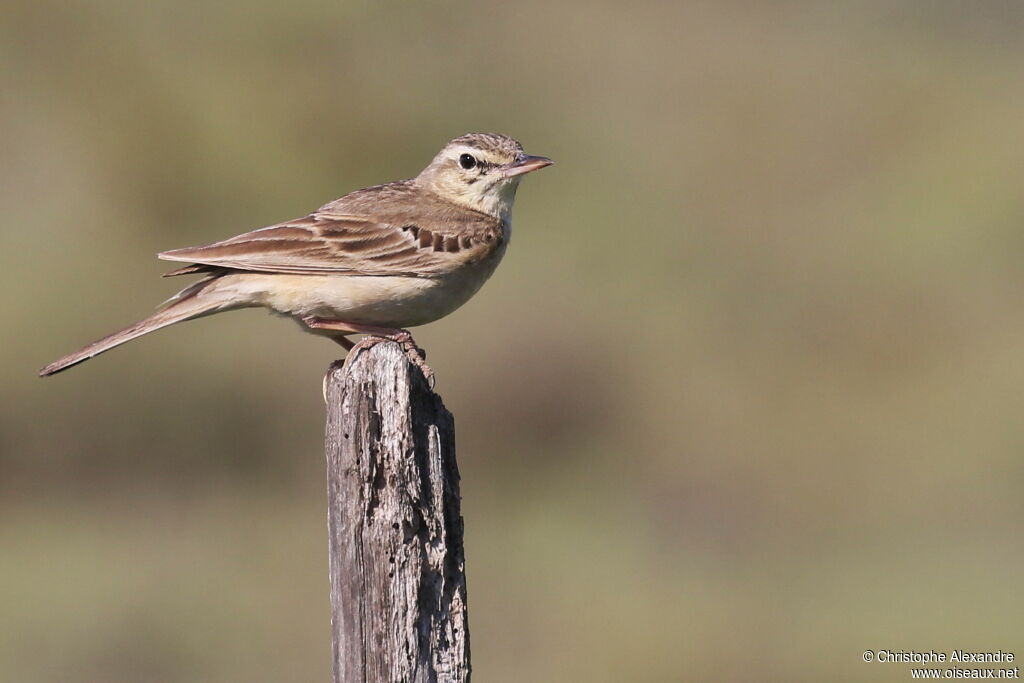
x=525 y=164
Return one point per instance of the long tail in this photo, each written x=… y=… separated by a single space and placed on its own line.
x=193 y=302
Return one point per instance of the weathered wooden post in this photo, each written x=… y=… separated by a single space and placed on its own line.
x=398 y=584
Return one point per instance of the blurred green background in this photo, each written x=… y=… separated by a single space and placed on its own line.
x=743 y=400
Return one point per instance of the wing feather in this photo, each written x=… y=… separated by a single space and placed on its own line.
x=325 y=242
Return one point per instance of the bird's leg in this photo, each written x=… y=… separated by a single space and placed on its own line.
x=345 y=342
x=375 y=335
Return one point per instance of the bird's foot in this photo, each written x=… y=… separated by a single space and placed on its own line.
x=403 y=338
x=376 y=335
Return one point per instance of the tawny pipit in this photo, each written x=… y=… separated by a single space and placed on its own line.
x=373 y=262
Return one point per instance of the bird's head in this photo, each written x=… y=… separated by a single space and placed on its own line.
x=480 y=171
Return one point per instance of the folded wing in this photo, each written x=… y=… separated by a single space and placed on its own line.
x=328 y=243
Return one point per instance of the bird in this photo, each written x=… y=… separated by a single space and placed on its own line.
x=375 y=262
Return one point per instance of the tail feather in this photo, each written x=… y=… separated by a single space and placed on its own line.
x=193 y=304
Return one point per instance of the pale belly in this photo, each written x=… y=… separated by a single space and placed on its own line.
x=382 y=301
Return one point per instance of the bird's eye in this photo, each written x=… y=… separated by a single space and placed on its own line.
x=467 y=161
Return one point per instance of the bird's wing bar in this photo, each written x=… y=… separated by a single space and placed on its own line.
x=323 y=243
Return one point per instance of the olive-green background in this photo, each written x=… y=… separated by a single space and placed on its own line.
x=744 y=400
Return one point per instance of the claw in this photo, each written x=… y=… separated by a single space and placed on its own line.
x=404 y=339
x=416 y=355
x=375 y=335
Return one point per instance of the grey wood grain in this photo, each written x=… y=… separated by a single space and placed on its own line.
x=397 y=568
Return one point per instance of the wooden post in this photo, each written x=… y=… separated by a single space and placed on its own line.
x=398 y=587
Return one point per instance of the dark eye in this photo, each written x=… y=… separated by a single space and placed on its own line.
x=467 y=161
